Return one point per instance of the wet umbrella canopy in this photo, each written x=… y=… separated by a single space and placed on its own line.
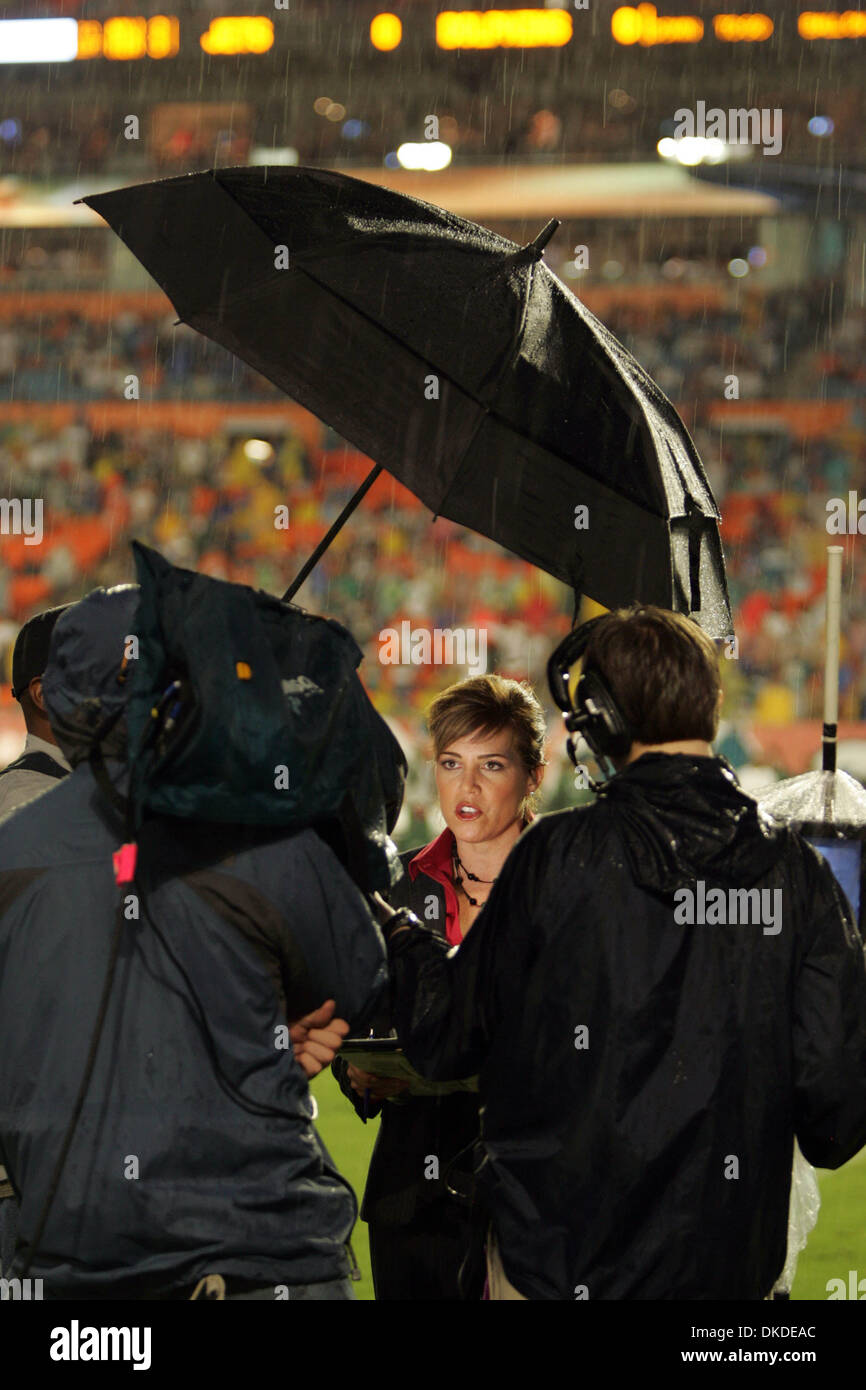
x=452 y=357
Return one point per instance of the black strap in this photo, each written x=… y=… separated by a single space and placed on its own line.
x=37 y=762
x=96 y=758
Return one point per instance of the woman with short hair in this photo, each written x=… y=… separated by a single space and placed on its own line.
x=488 y=736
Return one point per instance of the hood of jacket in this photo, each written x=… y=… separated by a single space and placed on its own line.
x=81 y=684
x=685 y=818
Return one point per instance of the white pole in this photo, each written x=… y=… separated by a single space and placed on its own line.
x=831 y=658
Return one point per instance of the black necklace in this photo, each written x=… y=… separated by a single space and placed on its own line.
x=474 y=877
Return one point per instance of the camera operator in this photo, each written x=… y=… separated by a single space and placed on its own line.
x=646 y=1055
x=196 y=1170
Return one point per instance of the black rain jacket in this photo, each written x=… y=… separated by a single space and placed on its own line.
x=642 y=1079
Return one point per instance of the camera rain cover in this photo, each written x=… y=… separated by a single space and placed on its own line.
x=271 y=725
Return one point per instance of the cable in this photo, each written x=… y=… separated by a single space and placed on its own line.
x=84 y=1085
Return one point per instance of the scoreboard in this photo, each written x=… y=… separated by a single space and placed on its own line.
x=258 y=28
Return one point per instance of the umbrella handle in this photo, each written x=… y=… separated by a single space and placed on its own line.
x=831 y=657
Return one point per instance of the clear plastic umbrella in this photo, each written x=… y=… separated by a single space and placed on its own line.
x=829 y=808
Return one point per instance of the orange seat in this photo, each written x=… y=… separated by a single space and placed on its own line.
x=28 y=591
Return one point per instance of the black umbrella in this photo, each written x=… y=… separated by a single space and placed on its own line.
x=452 y=357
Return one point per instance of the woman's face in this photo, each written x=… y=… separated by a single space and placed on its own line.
x=482 y=782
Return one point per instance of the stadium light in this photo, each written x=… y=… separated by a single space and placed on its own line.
x=386 y=32
x=162 y=36
x=644 y=25
x=38 y=40
x=89 y=38
x=503 y=28
x=238 y=34
x=694 y=149
x=258 y=450
x=122 y=38
x=273 y=154
x=429 y=155
x=818 y=24
x=742 y=28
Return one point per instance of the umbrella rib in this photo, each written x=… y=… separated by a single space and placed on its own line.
x=510 y=361
x=323 y=285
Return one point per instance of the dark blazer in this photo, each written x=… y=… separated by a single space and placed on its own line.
x=415 y=1129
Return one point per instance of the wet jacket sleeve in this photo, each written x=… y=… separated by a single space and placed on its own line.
x=829 y=1027
x=341 y=939
x=448 y=1004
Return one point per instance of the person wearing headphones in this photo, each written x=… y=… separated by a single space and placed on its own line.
x=665 y=988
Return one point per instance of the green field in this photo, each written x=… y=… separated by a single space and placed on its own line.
x=837 y=1245
x=350 y=1144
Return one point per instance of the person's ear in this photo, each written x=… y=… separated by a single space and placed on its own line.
x=35 y=689
x=720 y=702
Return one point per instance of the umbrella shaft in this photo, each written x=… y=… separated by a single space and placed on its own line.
x=831 y=664
x=326 y=539
x=831 y=656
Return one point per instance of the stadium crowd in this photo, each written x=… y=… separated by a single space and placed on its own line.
x=768 y=340
x=540 y=127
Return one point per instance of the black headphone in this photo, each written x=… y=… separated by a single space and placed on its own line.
x=595 y=714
